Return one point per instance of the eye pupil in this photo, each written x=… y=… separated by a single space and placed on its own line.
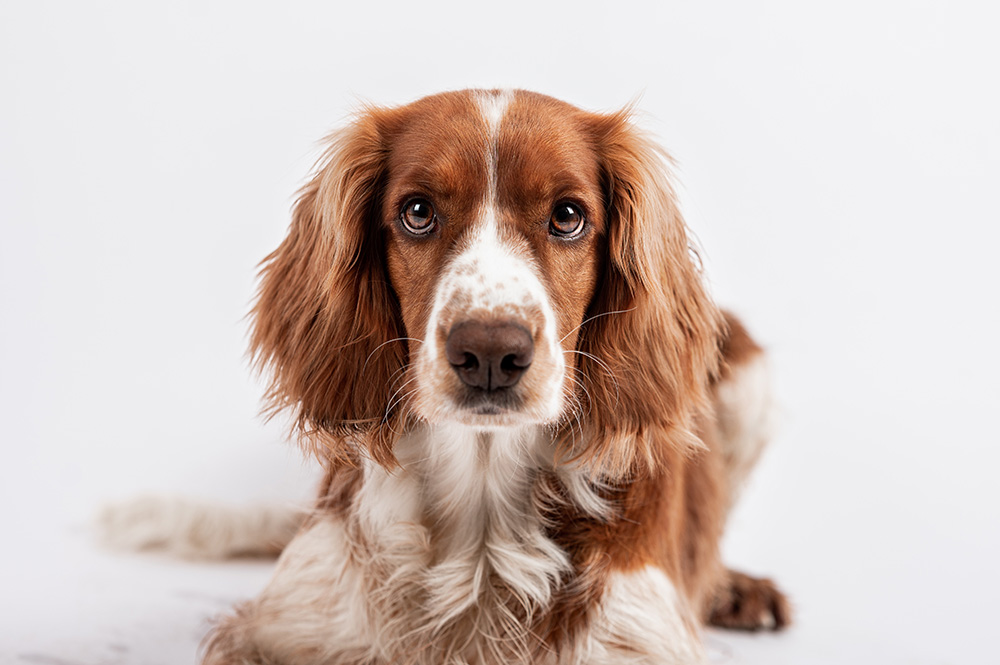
x=567 y=220
x=417 y=216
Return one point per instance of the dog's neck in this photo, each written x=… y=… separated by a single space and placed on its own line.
x=474 y=492
x=463 y=517
x=484 y=520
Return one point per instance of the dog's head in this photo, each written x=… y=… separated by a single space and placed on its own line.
x=493 y=259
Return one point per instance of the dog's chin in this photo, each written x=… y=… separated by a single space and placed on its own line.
x=489 y=418
x=486 y=414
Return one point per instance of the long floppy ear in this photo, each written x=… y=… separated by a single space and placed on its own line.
x=326 y=321
x=652 y=342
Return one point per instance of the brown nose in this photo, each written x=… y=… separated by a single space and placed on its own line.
x=489 y=356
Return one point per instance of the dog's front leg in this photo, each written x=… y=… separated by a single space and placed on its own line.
x=233 y=641
x=311 y=613
x=641 y=621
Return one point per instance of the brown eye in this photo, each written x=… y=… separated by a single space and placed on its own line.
x=418 y=216
x=567 y=220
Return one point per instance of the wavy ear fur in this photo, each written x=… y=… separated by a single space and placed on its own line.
x=653 y=345
x=326 y=321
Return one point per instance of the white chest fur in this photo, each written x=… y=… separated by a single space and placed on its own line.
x=445 y=560
x=454 y=546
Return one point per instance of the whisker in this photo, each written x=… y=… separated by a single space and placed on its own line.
x=392 y=404
x=398 y=374
x=586 y=392
x=596 y=316
x=390 y=341
x=403 y=398
x=607 y=370
x=577 y=417
x=597 y=360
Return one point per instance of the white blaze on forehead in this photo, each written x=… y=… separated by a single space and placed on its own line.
x=493 y=104
x=493 y=107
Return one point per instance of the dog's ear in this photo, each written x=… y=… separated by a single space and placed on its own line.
x=651 y=344
x=326 y=322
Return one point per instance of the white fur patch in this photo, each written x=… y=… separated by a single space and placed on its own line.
x=746 y=415
x=480 y=553
x=479 y=485
x=492 y=280
x=641 y=622
x=493 y=106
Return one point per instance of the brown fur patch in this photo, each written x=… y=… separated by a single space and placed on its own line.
x=671 y=518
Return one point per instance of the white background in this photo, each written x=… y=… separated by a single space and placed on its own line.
x=840 y=167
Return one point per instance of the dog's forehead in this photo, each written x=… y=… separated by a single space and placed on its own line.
x=528 y=144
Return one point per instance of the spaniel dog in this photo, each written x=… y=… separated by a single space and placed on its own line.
x=488 y=325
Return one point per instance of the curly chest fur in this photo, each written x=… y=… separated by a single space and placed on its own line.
x=453 y=546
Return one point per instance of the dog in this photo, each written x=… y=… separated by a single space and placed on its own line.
x=491 y=330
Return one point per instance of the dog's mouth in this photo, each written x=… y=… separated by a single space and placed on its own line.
x=491 y=409
x=490 y=402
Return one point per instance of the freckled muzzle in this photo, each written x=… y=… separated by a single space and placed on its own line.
x=489 y=356
x=492 y=357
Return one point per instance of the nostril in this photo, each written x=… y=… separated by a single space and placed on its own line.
x=514 y=363
x=469 y=362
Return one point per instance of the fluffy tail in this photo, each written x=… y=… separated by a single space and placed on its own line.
x=197 y=530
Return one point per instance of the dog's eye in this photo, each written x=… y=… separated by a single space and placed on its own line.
x=567 y=220
x=418 y=216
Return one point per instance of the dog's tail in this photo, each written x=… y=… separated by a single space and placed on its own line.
x=197 y=530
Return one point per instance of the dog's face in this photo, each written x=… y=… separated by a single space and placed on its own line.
x=493 y=259
x=494 y=217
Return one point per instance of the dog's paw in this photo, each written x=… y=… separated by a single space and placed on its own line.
x=750 y=603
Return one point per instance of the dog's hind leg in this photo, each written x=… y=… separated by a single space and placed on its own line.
x=744 y=411
x=749 y=603
x=744 y=407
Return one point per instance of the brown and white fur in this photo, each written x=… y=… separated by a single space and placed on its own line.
x=571 y=517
